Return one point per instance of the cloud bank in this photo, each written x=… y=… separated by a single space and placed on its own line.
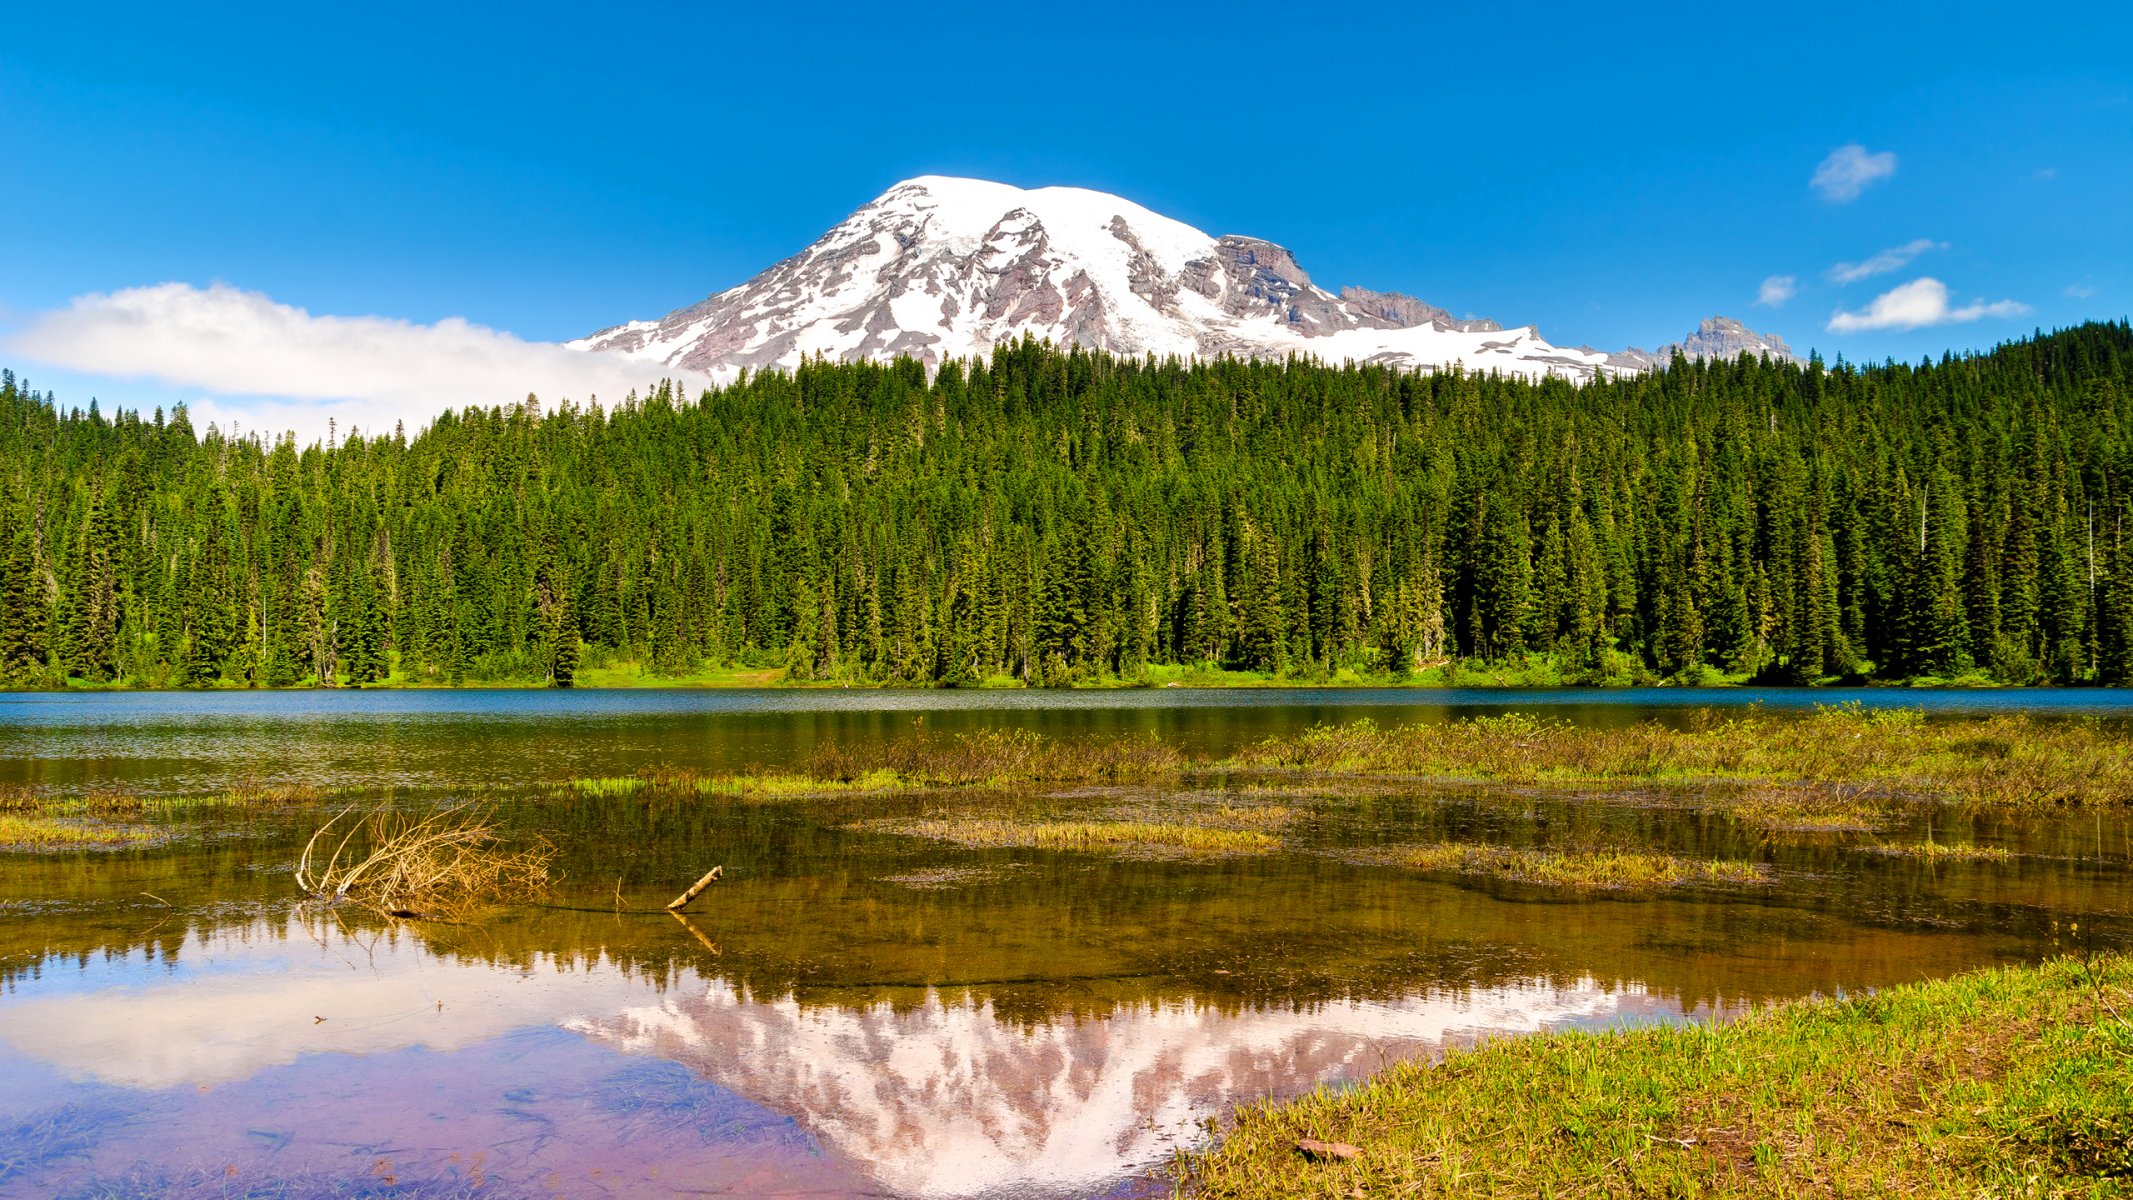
x=1776 y=290
x=1848 y=170
x=1895 y=258
x=297 y=370
x=1917 y=304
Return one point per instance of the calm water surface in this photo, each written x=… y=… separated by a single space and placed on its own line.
x=852 y=1012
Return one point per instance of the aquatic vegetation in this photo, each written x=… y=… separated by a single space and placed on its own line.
x=673 y=782
x=1003 y=757
x=2013 y=760
x=33 y=832
x=2013 y=1081
x=1807 y=808
x=253 y=793
x=442 y=864
x=1940 y=851
x=1590 y=867
x=1177 y=837
x=100 y=802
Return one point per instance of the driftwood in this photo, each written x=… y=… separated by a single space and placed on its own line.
x=696 y=889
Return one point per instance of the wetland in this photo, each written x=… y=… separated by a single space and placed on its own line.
x=1020 y=944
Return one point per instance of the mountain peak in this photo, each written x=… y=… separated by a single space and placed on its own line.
x=940 y=267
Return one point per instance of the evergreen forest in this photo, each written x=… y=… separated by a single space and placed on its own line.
x=1057 y=517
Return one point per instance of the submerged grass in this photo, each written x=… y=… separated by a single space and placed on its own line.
x=2014 y=1081
x=1585 y=868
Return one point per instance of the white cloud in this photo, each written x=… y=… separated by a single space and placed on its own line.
x=1776 y=290
x=1917 y=304
x=1895 y=258
x=1847 y=171
x=274 y=367
x=2082 y=290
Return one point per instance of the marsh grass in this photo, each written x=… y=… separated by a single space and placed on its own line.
x=446 y=863
x=1585 y=868
x=1884 y=756
x=2013 y=1081
x=1807 y=807
x=1838 y=769
x=1162 y=838
x=19 y=831
x=990 y=758
x=681 y=782
x=254 y=793
x=1940 y=852
x=1003 y=757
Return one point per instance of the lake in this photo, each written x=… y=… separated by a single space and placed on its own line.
x=851 y=1011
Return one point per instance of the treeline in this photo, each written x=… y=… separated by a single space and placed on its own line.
x=1060 y=516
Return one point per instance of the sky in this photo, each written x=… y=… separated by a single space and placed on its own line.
x=396 y=200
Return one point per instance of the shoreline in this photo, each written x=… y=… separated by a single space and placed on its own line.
x=1993 y=1081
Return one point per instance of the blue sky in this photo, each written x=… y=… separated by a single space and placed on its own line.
x=1611 y=178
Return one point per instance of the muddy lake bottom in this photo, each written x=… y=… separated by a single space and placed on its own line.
x=854 y=1010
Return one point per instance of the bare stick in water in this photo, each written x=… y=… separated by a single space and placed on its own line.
x=694 y=932
x=696 y=889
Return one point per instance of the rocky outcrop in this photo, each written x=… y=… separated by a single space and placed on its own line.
x=1716 y=338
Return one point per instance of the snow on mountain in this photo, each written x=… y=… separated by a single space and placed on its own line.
x=942 y=268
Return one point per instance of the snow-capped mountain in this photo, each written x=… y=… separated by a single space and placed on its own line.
x=939 y=268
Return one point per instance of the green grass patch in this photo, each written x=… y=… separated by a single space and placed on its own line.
x=1586 y=868
x=2016 y=1081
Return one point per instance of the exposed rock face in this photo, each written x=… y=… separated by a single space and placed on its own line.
x=1716 y=338
x=942 y=268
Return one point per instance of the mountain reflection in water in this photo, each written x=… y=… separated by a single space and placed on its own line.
x=288 y=1045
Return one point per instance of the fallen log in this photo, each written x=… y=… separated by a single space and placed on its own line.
x=696 y=889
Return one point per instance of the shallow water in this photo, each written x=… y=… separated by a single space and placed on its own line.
x=852 y=1012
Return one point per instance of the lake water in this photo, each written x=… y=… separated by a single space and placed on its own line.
x=852 y=1012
